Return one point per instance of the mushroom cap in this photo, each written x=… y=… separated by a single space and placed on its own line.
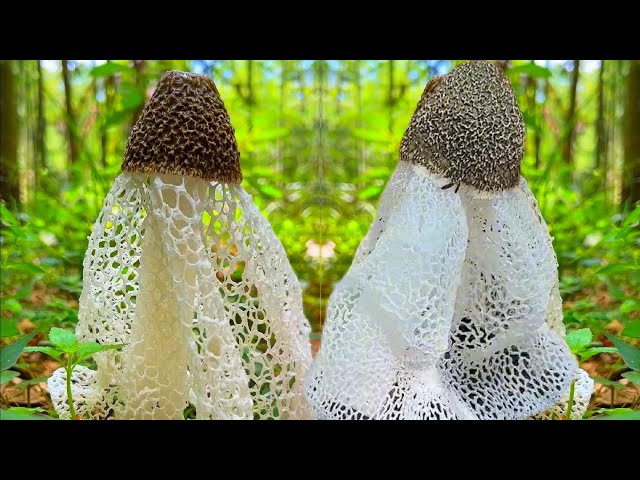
x=468 y=128
x=184 y=129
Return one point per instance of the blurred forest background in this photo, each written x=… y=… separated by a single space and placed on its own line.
x=318 y=141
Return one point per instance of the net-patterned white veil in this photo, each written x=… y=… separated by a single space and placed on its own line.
x=190 y=276
x=450 y=310
x=451 y=307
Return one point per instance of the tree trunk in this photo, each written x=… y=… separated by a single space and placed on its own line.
x=70 y=115
x=503 y=64
x=280 y=144
x=567 y=147
x=109 y=92
x=41 y=130
x=390 y=103
x=631 y=170
x=139 y=67
x=542 y=120
x=250 y=98
x=531 y=88
x=601 y=133
x=28 y=125
x=612 y=176
x=391 y=83
x=9 y=172
x=362 y=162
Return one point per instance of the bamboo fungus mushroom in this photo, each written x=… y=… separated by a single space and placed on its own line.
x=184 y=269
x=450 y=309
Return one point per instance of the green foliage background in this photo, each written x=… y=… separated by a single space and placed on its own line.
x=318 y=140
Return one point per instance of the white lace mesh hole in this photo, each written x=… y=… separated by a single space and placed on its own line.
x=187 y=205
x=214 y=346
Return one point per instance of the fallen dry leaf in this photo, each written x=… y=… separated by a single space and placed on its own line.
x=18 y=396
x=624 y=397
x=25 y=326
x=615 y=327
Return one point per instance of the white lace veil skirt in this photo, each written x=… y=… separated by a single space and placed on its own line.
x=185 y=271
x=451 y=307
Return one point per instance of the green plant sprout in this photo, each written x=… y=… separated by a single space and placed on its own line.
x=631 y=357
x=65 y=343
x=581 y=344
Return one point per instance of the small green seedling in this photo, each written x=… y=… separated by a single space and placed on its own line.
x=631 y=357
x=65 y=343
x=579 y=342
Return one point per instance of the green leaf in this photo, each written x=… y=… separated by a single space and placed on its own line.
x=6 y=217
x=64 y=340
x=263 y=172
x=633 y=415
x=615 y=268
x=613 y=411
x=371 y=135
x=369 y=192
x=51 y=351
x=26 y=267
x=265 y=134
x=108 y=69
x=10 y=353
x=116 y=118
x=630 y=305
x=9 y=328
x=11 y=304
x=579 y=340
x=132 y=98
x=608 y=383
x=270 y=191
x=31 y=382
x=27 y=410
x=632 y=376
x=87 y=349
x=633 y=217
x=531 y=69
x=630 y=354
x=590 y=352
x=632 y=329
x=7 y=375
x=20 y=415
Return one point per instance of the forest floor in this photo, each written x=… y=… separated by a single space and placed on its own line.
x=611 y=391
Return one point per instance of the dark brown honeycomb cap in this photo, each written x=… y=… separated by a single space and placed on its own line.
x=468 y=128
x=184 y=129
